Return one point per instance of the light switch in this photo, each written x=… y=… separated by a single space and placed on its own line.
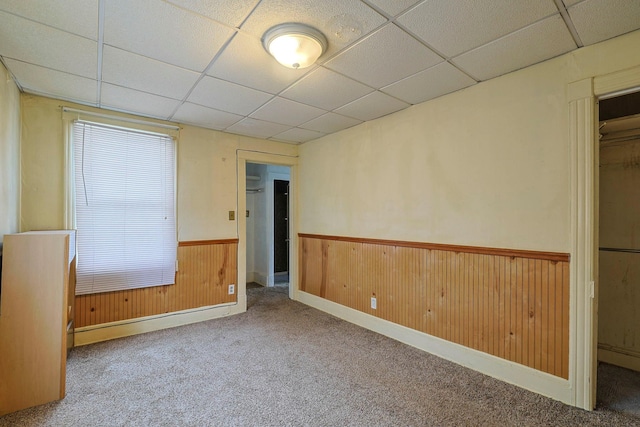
x=232 y=215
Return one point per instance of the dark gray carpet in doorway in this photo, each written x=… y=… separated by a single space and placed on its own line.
x=254 y=285
x=618 y=389
x=285 y=364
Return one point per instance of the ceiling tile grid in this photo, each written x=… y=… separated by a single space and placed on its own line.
x=227 y=96
x=597 y=20
x=257 y=128
x=392 y=7
x=428 y=84
x=403 y=55
x=132 y=101
x=326 y=89
x=298 y=135
x=161 y=31
x=55 y=13
x=130 y=70
x=39 y=44
x=568 y=3
x=52 y=83
x=330 y=123
x=231 y=13
x=454 y=27
x=198 y=115
x=284 y=111
x=372 y=106
x=543 y=40
x=245 y=62
x=202 y=62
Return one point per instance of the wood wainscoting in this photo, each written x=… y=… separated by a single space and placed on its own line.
x=508 y=303
x=205 y=271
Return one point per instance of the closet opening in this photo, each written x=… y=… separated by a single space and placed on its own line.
x=619 y=253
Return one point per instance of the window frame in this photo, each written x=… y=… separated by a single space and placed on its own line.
x=70 y=117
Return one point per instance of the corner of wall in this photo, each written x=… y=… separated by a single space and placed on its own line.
x=10 y=125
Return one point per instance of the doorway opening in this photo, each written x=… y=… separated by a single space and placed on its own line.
x=281 y=231
x=619 y=254
x=267 y=224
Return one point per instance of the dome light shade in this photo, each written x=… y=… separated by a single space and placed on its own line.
x=294 y=45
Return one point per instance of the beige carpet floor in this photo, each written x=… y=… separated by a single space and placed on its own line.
x=285 y=364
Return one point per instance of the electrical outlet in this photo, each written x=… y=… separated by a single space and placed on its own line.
x=232 y=289
x=374 y=303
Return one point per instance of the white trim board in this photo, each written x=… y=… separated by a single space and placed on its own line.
x=582 y=96
x=243 y=157
x=582 y=331
x=522 y=376
x=124 y=328
x=619 y=357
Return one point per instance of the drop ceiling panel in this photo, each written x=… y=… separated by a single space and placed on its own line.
x=428 y=84
x=453 y=27
x=330 y=123
x=298 y=135
x=393 y=7
x=286 y=112
x=342 y=22
x=372 y=106
x=148 y=75
x=312 y=89
x=205 y=117
x=129 y=100
x=384 y=57
x=230 y=13
x=55 y=84
x=187 y=59
x=244 y=61
x=598 y=20
x=543 y=40
x=257 y=128
x=39 y=44
x=225 y=96
x=79 y=17
x=164 y=32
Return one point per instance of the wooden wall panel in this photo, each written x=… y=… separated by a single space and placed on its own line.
x=511 y=304
x=206 y=269
x=311 y=273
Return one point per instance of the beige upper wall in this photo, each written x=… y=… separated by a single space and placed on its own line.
x=9 y=154
x=206 y=172
x=42 y=164
x=207 y=183
x=485 y=166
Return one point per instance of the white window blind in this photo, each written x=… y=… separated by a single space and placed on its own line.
x=125 y=208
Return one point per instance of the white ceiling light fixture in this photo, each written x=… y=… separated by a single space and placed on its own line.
x=294 y=45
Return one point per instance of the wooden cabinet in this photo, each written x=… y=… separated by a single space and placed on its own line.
x=36 y=317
